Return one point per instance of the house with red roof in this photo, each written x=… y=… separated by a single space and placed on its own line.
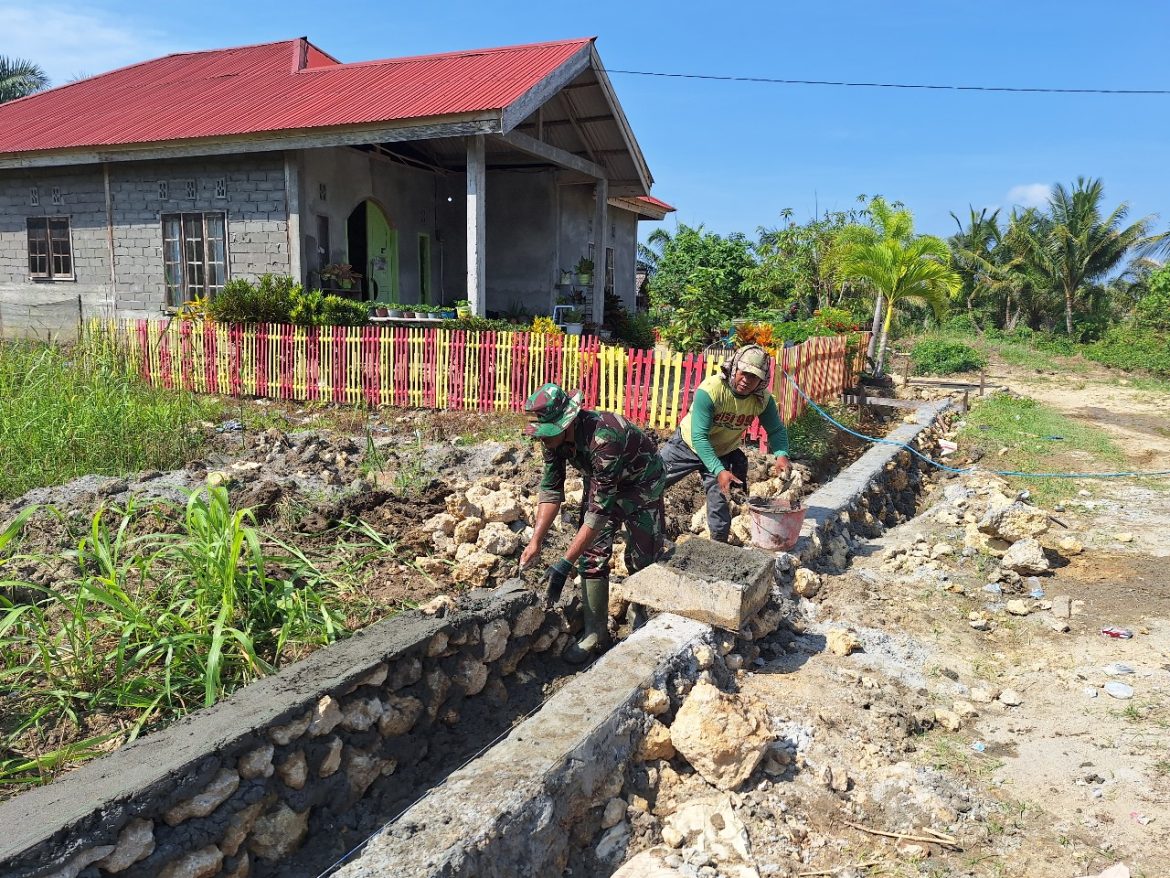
x=480 y=175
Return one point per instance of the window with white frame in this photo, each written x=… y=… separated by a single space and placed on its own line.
x=50 y=248
x=194 y=255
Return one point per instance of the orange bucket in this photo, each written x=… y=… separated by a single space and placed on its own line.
x=775 y=524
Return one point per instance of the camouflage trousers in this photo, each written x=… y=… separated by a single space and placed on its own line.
x=644 y=532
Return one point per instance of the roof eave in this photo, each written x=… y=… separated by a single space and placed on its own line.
x=424 y=128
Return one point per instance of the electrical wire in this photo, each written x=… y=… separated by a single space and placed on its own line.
x=970 y=469
x=899 y=85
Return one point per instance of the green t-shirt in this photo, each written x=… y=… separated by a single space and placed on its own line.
x=715 y=424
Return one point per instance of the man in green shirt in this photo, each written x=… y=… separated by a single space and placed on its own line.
x=708 y=439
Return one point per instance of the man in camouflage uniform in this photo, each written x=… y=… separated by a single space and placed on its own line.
x=624 y=480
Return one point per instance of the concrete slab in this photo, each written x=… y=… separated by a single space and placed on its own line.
x=509 y=813
x=707 y=581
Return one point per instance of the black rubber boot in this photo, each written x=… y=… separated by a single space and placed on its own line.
x=595 y=638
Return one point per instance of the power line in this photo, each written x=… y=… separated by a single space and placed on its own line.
x=904 y=85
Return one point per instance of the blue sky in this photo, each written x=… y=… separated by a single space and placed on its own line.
x=733 y=155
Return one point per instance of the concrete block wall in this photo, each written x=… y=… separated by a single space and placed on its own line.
x=257 y=229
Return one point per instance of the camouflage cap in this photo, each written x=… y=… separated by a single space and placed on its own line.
x=753 y=359
x=552 y=410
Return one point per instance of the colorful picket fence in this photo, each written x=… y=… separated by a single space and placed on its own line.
x=457 y=369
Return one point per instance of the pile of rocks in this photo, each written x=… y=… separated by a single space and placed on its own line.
x=790 y=488
x=483 y=524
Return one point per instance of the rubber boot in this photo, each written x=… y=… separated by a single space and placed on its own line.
x=596 y=635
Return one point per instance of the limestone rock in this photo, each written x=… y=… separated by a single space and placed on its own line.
x=283 y=735
x=941 y=550
x=498 y=539
x=438 y=606
x=362 y=769
x=361 y=714
x=495 y=639
x=399 y=715
x=656 y=744
x=294 y=771
x=443 y=523
x=135 y=842
x=406 y=672
x=331 y=761
x=501 y=506
x=652 y=863
x=655 y=702
x=467 y=531
x=241 y=824
x=841 y=641
x=326 y=716
x=1017 y=607
x=202 y=863
x=470 y=675
x=699 y=521
x=722 y=736
x=255 y=763
x=278 y=833
x=529 y=620
x=431 y=566
x=741 y=528
x=948 y=719
x=982 y=695
x=1026 y=557
x=475 y=569
x=81 y=860
x=712 y=827
x=215 y=794
x=1070 y=546
x=615 y=812
x=836 y=778
x=1017 y=521
x=1010 y=697
x=806 y=583
x=460 y=507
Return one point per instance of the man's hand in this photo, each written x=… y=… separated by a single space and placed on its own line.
x=726 y=479
x=782 y=466
x=530 y=554
x=556 y=576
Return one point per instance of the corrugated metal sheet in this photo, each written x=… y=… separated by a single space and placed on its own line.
x=656 y=202
x=270 y=87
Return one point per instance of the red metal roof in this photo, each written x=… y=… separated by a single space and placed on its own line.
x=656 y=202
x=270 y=87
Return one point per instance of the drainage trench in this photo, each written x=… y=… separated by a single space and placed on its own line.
x=455 y=746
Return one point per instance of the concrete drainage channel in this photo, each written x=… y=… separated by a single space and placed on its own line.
x=294 y=775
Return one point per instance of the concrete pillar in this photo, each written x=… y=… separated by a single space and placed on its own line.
x=476 y=225
x=600 y=240
x=292 y=195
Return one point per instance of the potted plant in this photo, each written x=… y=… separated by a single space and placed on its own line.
x=462 y=309
x=573 y=318
x=566 y=277
x=447 y=312
x=584 y=269
x=394 y=309
x=380 y=310
x=340 y=275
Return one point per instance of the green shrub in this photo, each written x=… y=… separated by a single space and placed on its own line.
x=960 y=324
x=269 y=300
x=1133 y=347
x=939 y=357
x=1153 y=311
x=338 y=311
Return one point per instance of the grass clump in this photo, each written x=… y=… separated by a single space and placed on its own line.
x=1038 y=439
x=811 y=437
x=146 y=628
x=67 y=413
x=936 y=356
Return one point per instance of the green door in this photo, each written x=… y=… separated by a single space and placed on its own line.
x=382 y=255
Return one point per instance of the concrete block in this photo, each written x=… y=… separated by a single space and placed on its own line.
x=711 y=582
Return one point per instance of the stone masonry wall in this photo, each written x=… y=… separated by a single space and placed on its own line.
x=240 y=788
x=257 y=228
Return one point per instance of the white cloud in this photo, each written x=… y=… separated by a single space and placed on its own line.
x=1029 y=195
x=68 y=43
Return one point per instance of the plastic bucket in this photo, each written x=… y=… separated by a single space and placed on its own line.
x=775 y=524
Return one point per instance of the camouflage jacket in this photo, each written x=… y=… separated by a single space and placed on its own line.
x=618 y=461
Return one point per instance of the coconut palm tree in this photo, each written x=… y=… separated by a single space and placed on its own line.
x=915 y=268
x=1073 y=245
x=20 y=78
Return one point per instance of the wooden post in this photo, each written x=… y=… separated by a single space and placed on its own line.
x=476 y=225
x=982 y=377
x=600 y=238
x=906 y=371
x=966 y=401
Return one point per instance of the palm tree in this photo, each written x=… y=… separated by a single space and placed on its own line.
x=973 y=254
x=897 y=270
x=1073 y=245
x=20 y=78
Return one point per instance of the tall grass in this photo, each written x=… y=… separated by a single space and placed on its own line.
x=149 y=627
x=68 y=412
